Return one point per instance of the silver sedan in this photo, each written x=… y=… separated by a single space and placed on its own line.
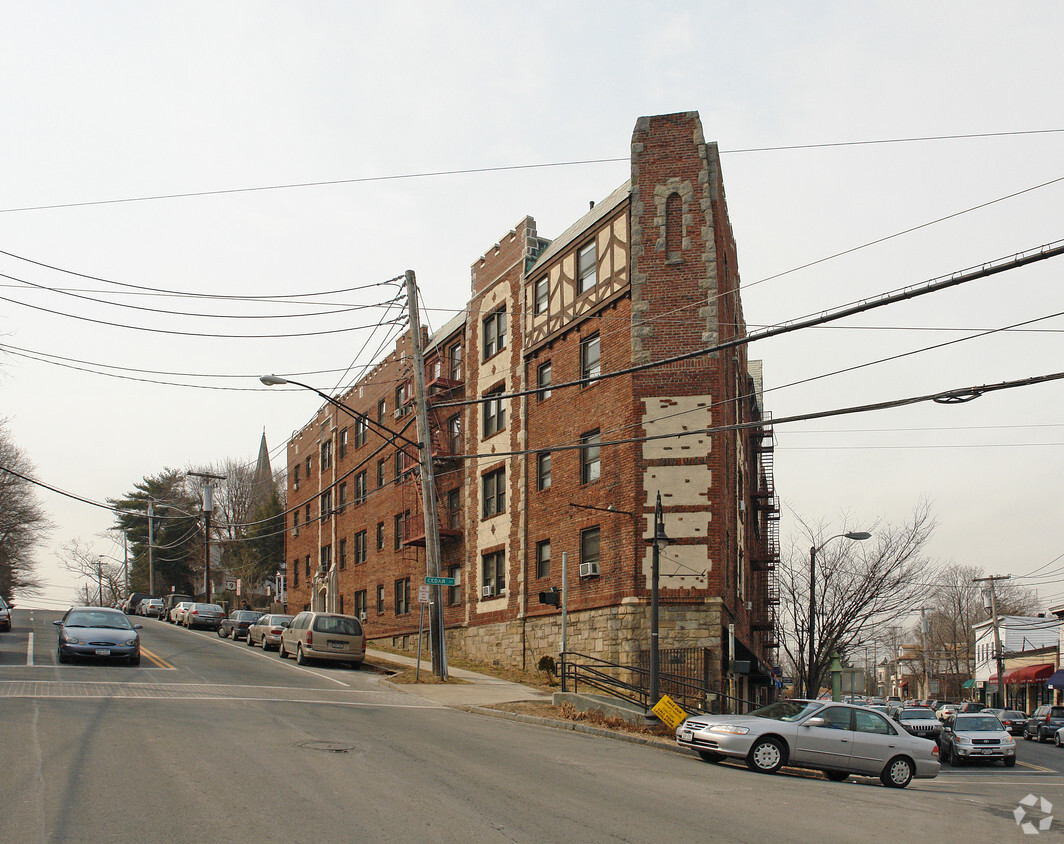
x=837 y=738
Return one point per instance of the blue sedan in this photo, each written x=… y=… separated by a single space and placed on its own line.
x=98 y=633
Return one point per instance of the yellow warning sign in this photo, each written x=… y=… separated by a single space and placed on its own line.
x=669 y=712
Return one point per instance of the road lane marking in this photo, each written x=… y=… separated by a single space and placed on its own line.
x=29 y=650
x=1037 y=767
x=158 y=660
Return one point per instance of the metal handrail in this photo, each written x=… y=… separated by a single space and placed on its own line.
x=689 y=695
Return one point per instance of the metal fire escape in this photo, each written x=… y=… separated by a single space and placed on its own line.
x=767 y=554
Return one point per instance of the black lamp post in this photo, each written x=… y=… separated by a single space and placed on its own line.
x=658 y=541
x=810 y=671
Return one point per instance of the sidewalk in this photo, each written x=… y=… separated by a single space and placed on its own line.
x=473 y=689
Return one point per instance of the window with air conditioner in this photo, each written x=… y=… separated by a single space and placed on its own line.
x=589 y=552
x=493 y=577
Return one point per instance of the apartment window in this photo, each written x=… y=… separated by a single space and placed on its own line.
x=456 y=362
x=340 y=608
x=325 y=557
x=589 y=546
x=295 y=573
x=494 y=333
x=454 y=509
x=493 y=581
x=295 y=476
x=341 y=444
x=586 y=267
x=402 y=596
x=543 y=470
x=380 y=536
x=360 y=433
x=295 y=523
x=360 y=604
x=381 y=464
x=326 y=505
x=341 y=555
x=360 y=548
x=360 y=488
x=398 y=531
x=494 y=492
x=454 y=434
x=454 y=593
x=341 y=497
x=400 y=461
x=380 y=598
x=382 y=411
x=543 y=559
x=400 y=400
x=306 y=514
x=306 y=566
x=542 y=291
x=310 y=464
x=543 y=381
x=590 y=465
x=590 y=359
x=326 y=455
x=494 y=413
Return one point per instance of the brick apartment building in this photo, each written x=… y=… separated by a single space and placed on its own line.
x=528 y=469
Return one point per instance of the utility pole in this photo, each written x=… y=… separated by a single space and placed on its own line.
x=208 y=508
x=428 y=482
x=151 y=542
x=927 y=666
x=999 y=657
x=893 y=661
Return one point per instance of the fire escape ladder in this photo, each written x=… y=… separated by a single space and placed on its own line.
x=766 y=557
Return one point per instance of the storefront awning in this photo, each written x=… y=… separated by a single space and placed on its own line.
x=1029 y=674
x=970 y=684
x=1057 y=680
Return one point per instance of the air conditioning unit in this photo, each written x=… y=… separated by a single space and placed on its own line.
x=749 y=605
x=589 y=569
x=458 y=578
x=487 y=592
x=362 y=616
x=398 y=413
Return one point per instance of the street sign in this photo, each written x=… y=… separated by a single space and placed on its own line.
x=423 y=594
x=230 y=584
x=668 y=711
x=440 y=581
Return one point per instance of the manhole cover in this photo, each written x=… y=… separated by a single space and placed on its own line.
x=327 y=746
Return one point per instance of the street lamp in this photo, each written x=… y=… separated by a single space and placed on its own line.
x=858 y=535
x=659 y=540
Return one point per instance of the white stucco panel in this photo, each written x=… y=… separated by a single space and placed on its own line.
x=676 y=414
x=678 y=485
x=678 y=525
x=680 y=566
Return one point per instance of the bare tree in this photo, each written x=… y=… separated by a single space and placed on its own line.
x=106 y=577
x=859 y=586
x=23 y=522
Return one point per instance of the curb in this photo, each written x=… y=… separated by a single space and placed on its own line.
x=574 y=727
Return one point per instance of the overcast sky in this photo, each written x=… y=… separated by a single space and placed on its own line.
x=114 y=101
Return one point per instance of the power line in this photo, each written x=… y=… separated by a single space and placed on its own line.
x=499 y=169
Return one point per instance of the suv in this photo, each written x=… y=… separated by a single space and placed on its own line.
x=132 y=601
x=323 y=635
x=968 y=736
x=1044 y=723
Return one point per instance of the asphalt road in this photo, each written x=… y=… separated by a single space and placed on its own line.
x=208 y=739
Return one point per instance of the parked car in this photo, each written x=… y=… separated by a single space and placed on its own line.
x=5 y=615
x=971 y=706
x=132 y=601
x=919 y=721
x=836 y=738
x=946 y=710
x=237 y=624
x=267 y=629
x=1011 y=719
x=1044 y=722
x=150 y=608
x=171 y=601
x=98 y=633
x=968 y=736
x=320 y=635
x=203 y=615
x=177 y=614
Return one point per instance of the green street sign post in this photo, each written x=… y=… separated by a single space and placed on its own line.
x=440 y=581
